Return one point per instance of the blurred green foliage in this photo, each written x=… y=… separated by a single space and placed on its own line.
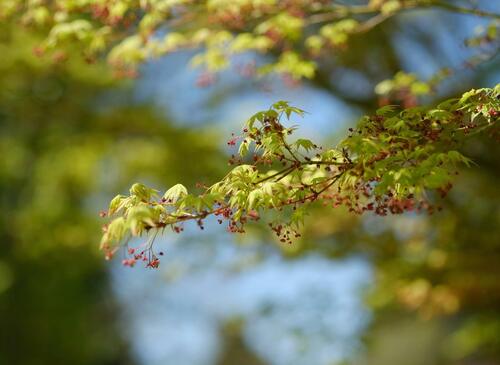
x=436 y=296
x=64 y=141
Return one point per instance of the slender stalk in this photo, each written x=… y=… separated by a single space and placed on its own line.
x=344 y=11
x=463 y=10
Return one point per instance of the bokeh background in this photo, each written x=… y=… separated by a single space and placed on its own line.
x=410 y=289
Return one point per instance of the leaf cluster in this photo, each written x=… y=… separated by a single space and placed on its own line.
x=394 y=161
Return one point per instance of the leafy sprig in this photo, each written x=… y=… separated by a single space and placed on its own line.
x=392 y=162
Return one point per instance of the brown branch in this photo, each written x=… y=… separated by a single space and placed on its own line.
x=344 y=11
x=460 y=9
x=284 y=171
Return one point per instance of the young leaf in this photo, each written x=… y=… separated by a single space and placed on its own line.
x=176 y=192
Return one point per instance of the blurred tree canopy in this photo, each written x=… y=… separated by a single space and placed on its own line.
x=64 y=143
x=303 y=34
x=442 y=266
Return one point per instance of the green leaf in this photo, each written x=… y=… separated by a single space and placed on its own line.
x=387 y=110
x=116 y=204
x=141 y=216
x=304 y=143
x=176 y=192
x=142 y=192
x=437 y=178
x=244 y=147
x=115 y=231
x=390 y=7
x=254 y=197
